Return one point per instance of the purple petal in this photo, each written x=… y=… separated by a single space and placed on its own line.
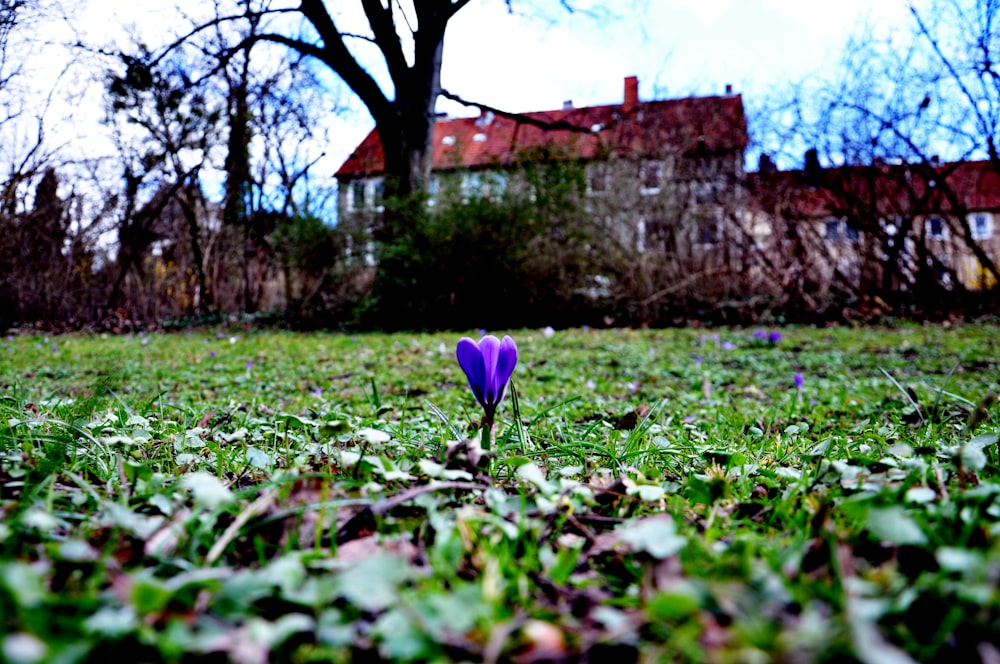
x=490 y=346
x=470 y=358
x=506 y=361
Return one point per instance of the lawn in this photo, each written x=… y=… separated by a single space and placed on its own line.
x=651 y=495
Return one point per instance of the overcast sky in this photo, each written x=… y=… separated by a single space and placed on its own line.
x=675 y=47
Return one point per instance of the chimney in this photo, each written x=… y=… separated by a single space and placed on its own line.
x=631 y=95
x=812 y=167
x=485 y=118
x=765 y=165
x=729 y=89
x=568 y=104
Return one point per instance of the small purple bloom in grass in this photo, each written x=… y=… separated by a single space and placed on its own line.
x=548 y=332
x=212 y=354
x=774 y=337
x=760 y=335
x=249 y=365
x=727 y=345
x=318 y=392
x=799 y=380
x=488 y=364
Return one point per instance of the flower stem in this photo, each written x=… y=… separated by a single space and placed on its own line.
x=488 y=433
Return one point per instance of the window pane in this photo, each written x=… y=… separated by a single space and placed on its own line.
x=832 y=230
x=650 y=175
x=935 y=228
x=598 y=178
x=358 y=194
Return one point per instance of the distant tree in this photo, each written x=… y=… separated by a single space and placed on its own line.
x=273 y=123
x=408 y=39
x=11 y=15
x=167 y=126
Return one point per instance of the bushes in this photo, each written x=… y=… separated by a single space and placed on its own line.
x=516 y=258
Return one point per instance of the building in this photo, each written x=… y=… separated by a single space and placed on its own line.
x=886 y=229
x=645 y=161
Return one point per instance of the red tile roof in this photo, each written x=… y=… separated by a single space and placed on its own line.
x=895 y=189
x=709 y=124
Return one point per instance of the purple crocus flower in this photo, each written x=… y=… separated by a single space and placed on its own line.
x=488 y=364
x=774 y=337
x=799 y=380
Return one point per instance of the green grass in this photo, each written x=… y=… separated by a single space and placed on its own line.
x=654 y=495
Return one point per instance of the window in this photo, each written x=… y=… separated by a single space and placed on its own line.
x=936 y=229
x=597 y=180
x=981 y=226
x=356 y=195
x=472 y=184
x=378 y=191
x=496 y=185
x=705 y=192
x=831 y=230
x=448 y=140
x=653 y=235
x=433 y=187
x=838 y=230
x=650 y=176
x=707 y=233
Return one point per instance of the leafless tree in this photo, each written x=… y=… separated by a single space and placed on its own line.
x=889 y=136
x=275 y=124
x=405 y=39
x=169 y=127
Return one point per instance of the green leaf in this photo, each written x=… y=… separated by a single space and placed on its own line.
x=373 y=583
x=112 y=622
x=400 y=639
x=673 y=606
x=374 y=436
x=24 y=582
x=275 y=633
x=895 y=525
x=655 y=535
x=973 y=458
x=647 y=492
x=984 y=440
x=207 y=489
x=258 y=458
